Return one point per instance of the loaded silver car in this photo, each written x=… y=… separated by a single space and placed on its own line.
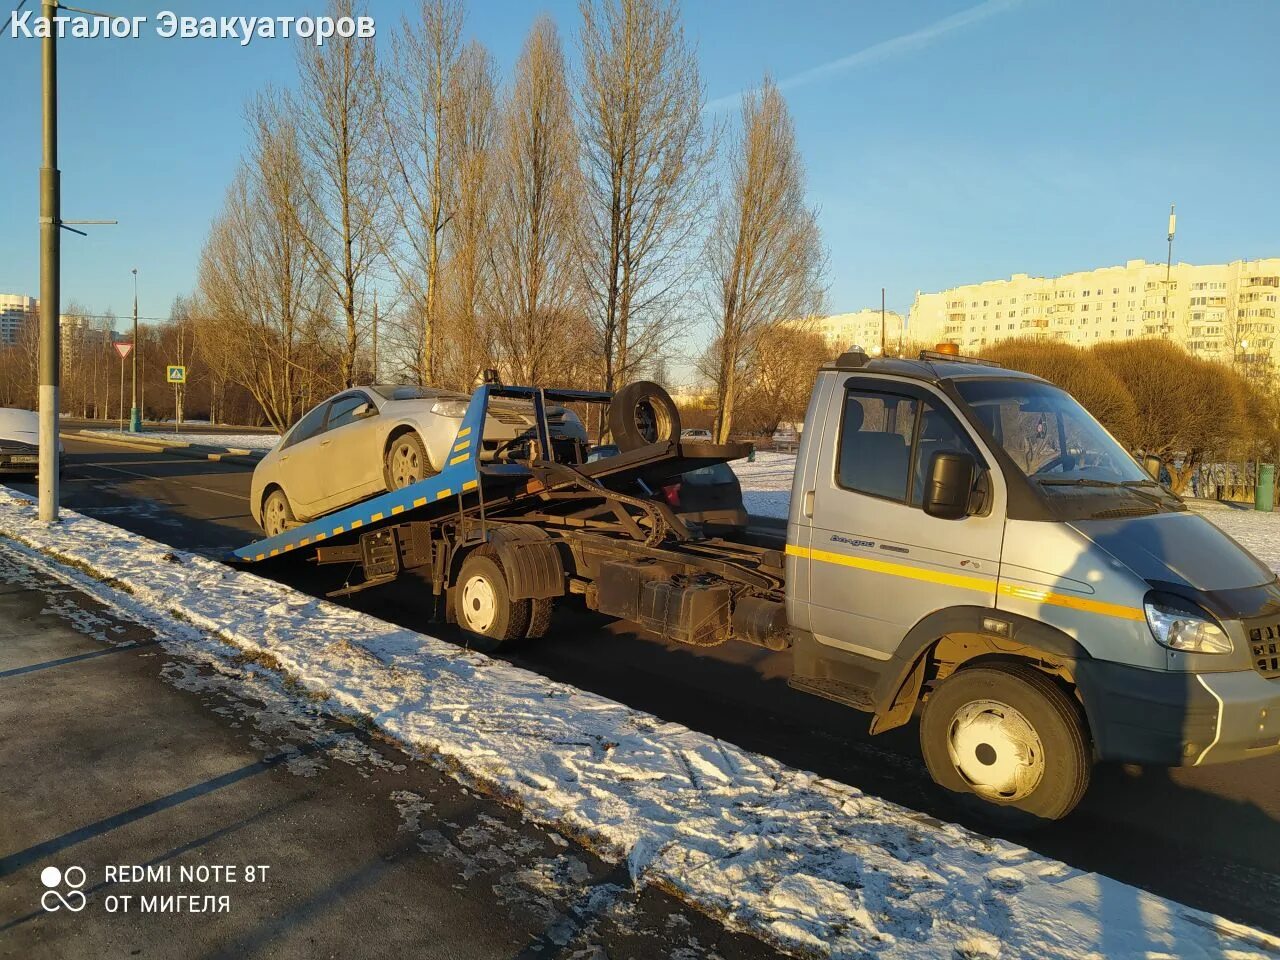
x=369 y=440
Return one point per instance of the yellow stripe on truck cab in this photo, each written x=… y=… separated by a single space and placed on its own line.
x=896 y=569
x=1033 y=594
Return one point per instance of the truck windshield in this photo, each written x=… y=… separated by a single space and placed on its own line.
x=1048 y=434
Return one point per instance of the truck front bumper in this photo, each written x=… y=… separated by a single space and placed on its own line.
x=1163 y=718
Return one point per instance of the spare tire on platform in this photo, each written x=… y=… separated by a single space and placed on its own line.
x=642 y=413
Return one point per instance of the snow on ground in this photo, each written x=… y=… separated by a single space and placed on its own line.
x=766 y=483
x=814 y=866
x=242 y=441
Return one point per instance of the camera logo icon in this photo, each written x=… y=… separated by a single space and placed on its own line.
x=53 y=899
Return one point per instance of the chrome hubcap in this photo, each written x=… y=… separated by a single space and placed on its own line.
x=996 y=750
x=479 y=604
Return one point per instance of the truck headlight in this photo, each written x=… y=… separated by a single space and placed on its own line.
x=1180 y=625
x=454 y=409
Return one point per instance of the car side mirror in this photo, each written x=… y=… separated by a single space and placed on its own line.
x=948 y=487
x=1152 y=466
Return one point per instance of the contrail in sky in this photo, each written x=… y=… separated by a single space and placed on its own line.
x=883 y=50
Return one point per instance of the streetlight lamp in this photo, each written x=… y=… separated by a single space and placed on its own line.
x=135 y=415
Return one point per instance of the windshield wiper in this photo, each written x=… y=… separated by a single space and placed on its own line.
x=1129 y=485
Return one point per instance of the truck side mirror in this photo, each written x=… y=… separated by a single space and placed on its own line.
x=949 y=484
x=1152 y=466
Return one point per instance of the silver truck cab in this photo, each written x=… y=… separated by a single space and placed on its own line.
x=970 y=538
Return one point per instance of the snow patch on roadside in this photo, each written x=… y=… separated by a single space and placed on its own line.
x=242 y=441
x=814 y=866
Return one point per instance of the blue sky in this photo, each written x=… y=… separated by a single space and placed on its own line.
x=945 y=142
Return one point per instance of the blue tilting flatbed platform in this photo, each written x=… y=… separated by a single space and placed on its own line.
x=500 y=535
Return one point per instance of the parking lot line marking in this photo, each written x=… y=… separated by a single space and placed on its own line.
x=147 y=476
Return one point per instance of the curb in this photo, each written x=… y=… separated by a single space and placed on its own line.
x=236 y=455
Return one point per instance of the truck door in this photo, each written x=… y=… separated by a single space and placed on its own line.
x=878 y=562
x=800 y=516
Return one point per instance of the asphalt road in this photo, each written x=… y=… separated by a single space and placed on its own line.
x=1208 y=837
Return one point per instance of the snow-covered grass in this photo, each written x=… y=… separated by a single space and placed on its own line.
x=240 y=441
x=766 y=483
x=814 y=866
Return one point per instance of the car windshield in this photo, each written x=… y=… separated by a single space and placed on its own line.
x=1046 y=432
x=407 y=391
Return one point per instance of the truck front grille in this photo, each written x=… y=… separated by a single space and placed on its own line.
x=1264 y=647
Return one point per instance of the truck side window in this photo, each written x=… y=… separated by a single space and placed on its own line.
x=875 y=443
x=938 y=432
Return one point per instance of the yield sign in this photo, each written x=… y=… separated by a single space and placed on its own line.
x=123 y=349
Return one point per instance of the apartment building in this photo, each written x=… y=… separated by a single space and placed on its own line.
x=1219 y=311
x=861 y=328
x=15 y=310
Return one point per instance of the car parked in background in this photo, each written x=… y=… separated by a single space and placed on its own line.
x=709 y=496
x=20 y=443
x=370 y=440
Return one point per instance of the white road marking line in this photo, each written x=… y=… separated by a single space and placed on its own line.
x=147 y=476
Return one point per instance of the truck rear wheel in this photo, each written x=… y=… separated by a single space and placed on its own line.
x=483 y=604
x=540 y=611
x=1007 y=736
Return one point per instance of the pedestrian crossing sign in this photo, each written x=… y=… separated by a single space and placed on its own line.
x=177 y=374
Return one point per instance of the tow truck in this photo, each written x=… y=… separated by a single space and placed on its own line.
x=965 y=543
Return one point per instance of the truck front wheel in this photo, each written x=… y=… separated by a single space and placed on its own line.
x=483 y=604
x=1010 y=737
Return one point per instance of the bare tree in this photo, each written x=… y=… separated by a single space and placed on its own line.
x=765 y=251
x=261 y=299
x=472 y=128
x=1189 y=411
x=645 y=152
x=341 y=195
x=537 y=300
x=417 y=107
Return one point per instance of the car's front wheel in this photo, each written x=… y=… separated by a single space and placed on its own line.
x=277 y=515
x=406 y=462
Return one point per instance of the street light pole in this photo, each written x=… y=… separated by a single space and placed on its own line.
x=135 y=415
x=1168 y=269
x=50 y=267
